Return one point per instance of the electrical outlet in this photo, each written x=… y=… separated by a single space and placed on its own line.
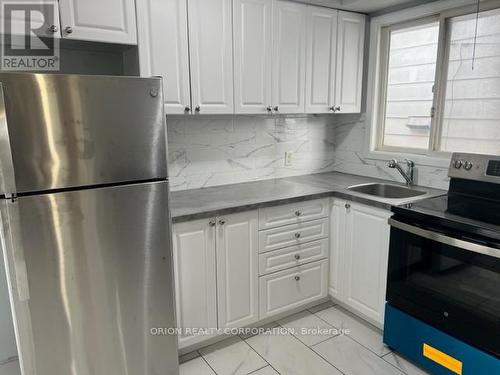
x=288 y=158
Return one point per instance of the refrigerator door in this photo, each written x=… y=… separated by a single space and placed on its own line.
x=66 y=131
x=91 y=280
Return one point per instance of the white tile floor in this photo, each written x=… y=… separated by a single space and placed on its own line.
x=361 y=352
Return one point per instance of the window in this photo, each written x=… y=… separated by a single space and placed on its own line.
x=441 y=85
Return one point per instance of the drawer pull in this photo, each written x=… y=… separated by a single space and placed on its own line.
x=297 y=235
x=297 y=278
x=298 y=213
x=297 y=257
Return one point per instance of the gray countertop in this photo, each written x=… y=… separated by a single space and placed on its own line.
x=222 y=200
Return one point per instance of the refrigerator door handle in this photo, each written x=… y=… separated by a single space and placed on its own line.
x=7 y=176
x=15 y=247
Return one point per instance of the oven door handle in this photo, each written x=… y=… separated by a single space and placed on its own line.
x=441 y=238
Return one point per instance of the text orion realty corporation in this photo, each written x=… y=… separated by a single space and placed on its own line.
x=28 y=36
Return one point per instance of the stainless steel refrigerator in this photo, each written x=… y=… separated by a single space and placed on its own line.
x=85 y=231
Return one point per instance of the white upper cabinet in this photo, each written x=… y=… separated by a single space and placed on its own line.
x=195 y=277
x=15 y=23
x=289 y=56
x=253 y=38
x=211 y=53
x=237 y=269
x=111 y=21
x=163 y=49
x=350 y=53
x=251 y=56
x=321 y=59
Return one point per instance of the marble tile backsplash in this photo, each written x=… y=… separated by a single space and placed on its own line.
x=350 y=144
x=217 y=150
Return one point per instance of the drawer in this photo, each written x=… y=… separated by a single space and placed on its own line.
x=289 y=289
x=272 y=217
x=292 y=235
x=288 y=257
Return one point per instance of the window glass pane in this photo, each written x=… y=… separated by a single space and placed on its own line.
x=471 y=118
x=410 y=80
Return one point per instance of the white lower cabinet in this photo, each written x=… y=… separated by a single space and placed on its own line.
x=237 y=270
x=292 y=288
x=195 y=278
x=359 y=255
x=228 y=274
x=216 y=264
x=292 y=235
x=292 y=256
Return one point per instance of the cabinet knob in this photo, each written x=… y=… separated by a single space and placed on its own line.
x=332 y=109
x=297 y=257
x=337 y=108
x=297 y=278
x=212 y=223
x=197 y=109
x=222 y=221
x=297 y=235
x=269 y=109
x=187 y=109
x=298 y=213
x=277 y=108
x=347 y=206
x=68 y=30
x=53 y=29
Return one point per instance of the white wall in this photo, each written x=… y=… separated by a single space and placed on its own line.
x=7 y=340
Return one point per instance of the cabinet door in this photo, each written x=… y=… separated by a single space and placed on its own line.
x=321 y=59
x=237 y=269
x=163 y=49
x=111 y=21
x=41 y=16
x=366 y=257
x=252 y=55
x=289 y=56
x=211 y=52
x=337 y=243
x=289 y=289
x=350 y=53
x=195 y=278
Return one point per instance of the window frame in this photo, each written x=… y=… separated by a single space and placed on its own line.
x=385 y=47
x=427 y=14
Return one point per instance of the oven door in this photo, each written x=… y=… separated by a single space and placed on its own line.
x=449 y=283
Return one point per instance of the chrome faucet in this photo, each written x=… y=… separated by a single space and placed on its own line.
x=408 y=173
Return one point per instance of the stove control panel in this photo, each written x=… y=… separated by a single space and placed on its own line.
x=493 y=168
x=475 y=167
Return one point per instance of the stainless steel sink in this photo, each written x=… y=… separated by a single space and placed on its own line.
x=386 y=191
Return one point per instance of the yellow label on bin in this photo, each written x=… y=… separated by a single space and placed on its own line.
x=443 y=359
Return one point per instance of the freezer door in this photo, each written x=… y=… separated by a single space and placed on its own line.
x=91 y=281
x=71 y=130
